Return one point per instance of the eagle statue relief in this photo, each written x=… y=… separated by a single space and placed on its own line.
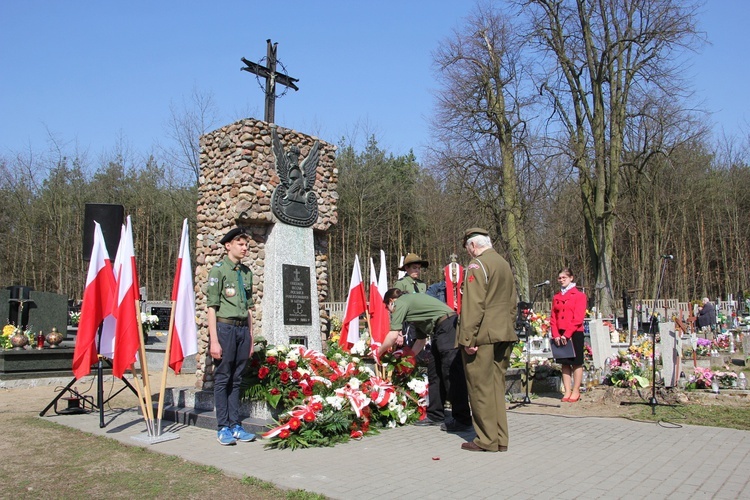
x=293 y=201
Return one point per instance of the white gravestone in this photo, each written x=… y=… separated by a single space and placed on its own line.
x=601 y=345
x=671 y=354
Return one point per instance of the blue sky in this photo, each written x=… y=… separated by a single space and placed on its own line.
x=91 y=72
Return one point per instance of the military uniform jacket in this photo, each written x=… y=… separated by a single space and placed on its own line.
x=488 y=307
x=224 y=292
x=408 y=284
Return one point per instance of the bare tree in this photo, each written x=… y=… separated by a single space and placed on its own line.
x=479 y=126
x=603 y=53
x=187 y=123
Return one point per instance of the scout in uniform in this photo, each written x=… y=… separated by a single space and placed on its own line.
x=230 y=330
x=413 y=265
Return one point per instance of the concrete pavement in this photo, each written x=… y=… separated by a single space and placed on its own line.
x=550 y=456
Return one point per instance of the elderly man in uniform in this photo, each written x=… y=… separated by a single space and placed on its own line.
x=486 y=335
x=230 y=331
x=412 y=266
x=431 y=317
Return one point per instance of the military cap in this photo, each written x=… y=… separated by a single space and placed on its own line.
x=474 y=231
x=412 y=258
x=232 y=234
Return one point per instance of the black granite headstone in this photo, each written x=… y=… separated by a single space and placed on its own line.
x=50 y=310
x=296 y=289
x=163 y=313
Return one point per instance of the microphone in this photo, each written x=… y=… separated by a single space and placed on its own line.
x=670 y=256
x=543 y=283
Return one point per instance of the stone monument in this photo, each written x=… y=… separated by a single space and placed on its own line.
x=671 y=354
x=247 y=168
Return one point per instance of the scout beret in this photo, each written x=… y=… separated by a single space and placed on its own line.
x=412 y=258
x=232 y=234
x=474 y=231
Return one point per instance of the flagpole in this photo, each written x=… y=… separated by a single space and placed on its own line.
x=144 y=366
x=165 y=368
x=138 y=389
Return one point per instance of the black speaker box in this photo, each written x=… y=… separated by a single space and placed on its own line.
x=110 y=218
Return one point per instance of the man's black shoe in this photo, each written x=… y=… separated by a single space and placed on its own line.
x=426 y=423
x=455 y=426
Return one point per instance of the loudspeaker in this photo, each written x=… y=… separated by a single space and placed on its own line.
x=110 y=218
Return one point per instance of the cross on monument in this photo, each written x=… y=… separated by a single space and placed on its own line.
x=272 y=77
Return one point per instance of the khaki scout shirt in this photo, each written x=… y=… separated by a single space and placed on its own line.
x=224 y=293
x=488 y=307
x=407 y=285
x=419 y=309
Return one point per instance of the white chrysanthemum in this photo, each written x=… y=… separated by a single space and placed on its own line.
x=354 y=383
x=359 y=348
x=336 y=402
x=417 y=385
x=392 y=424
x=292 y=356
x=272 y=352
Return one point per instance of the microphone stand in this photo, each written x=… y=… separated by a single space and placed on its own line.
x=527 y=333
x=652 y=402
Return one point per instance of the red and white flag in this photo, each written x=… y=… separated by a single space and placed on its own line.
x=379 y=318
x=107 y=339
x=127 y=334
x=184 y=331
x=97 y=304
x=356 y=304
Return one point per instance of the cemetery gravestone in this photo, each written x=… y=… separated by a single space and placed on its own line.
x=671 y=354
x=601 y=346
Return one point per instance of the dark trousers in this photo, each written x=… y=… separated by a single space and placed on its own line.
x=235 y=351
x=445 y=375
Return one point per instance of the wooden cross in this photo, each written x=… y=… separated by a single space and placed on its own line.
x=272 y=77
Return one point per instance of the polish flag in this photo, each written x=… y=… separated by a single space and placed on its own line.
x=107 y=340
x=184 y=332
x=356 y=304
x=379 y=317
x=127 y=334
x=97 y=304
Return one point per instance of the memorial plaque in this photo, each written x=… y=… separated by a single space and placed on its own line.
x=296 y=288
x=162 y=310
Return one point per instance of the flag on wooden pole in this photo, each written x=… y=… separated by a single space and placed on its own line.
x=356 y=304
x=184 y=332
x=97 y=304
x=127 y=332
x=379 y=316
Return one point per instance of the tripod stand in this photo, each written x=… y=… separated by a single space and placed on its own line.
x=652 y=333
x=100 y=401
x=522 y=321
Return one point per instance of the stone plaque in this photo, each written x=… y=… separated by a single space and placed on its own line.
x=297 y=303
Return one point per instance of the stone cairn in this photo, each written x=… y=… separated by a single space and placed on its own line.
x=237 y=179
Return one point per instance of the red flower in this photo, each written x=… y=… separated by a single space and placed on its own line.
x=294 y=424
x=333 y=378
x=307 y=391
x=293 y=365
x=282 y=366
x=296 y=375
x=309 y=417
x=284 y=434
x=332 y=364
x=274 y=391
x=284 y=377
x=317 y=406
x=293 y=394
x=271 y=360
x=263 y=372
